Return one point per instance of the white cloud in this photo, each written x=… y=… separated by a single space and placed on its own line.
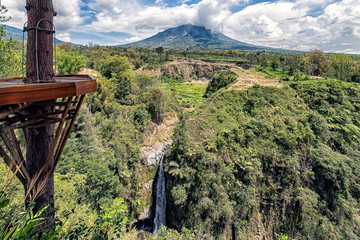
x=141 y=21
x=64 y=37
x=298 y=25
x=265 y=23
x=331 y=25
x=105 y=4
x=212 y=13
x=16 y=9
x=144 y=21
x=133 y=39
x=68 y=13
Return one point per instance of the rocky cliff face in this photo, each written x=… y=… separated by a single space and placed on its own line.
x=189 y=69
x=151 y=156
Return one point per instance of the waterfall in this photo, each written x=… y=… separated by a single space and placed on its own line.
x=160 y=217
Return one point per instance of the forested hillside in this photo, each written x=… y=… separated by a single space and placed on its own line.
x=264 y=145
x=267 y=161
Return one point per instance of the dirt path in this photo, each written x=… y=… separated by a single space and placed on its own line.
x=156 y=134
x=248 y=78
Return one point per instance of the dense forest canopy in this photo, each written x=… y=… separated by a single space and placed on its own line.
x=262 y=161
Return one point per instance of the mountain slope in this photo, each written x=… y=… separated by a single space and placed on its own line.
x=17 y=34
x=193 y=37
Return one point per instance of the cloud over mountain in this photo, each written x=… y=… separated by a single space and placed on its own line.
x=331 y=25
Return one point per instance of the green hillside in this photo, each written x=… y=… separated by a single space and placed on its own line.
x=265 y=162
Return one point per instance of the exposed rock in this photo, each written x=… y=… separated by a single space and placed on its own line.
x=148 y=186
x=190 y=69
x=145 y=214
x=246 y=66
x=157 y=133
x=151 y=156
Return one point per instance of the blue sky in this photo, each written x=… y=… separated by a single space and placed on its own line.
x=329 y=25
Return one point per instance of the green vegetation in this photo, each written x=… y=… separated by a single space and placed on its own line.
x=224 y=79
x=188 y=96
x=10 y=55
x=275 y=73
x=68 y=62
x=275 y=163
x=289 y=157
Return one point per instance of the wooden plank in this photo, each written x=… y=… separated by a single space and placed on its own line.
x=14 y=91
x=85 y=87
x=34 y=95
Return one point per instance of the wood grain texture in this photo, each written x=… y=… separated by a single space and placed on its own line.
x=13 y=90
x=37 y=11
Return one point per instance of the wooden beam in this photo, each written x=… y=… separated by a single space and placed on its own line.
x=13 y=109
x=13 y=92
x=57 y=135
x=11 y=165
x=67 y=131
x=19 y=160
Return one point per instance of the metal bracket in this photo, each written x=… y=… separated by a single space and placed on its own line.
x=37 y=29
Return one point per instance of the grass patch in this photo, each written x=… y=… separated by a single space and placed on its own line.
x=189 y=96
x=275 y=73
x=150 y=66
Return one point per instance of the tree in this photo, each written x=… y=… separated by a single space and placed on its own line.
x=293 y=63
x=275 y=62
x=157 y=104
x=159 y=50
x=124 y=87
x=69 y=62
x=3 y=10
x=10 y=57
x=225 y=78
x=115 y=216
x=111 y=66
x=342 y=65
x=39 y=140
x=319 y=62
x=10 y=64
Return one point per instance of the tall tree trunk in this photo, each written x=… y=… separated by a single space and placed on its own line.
x=38 y=10
x=38 y=143
x=39 y=140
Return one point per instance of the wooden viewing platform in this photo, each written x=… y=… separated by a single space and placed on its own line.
x=29 y=106
x=14 y=90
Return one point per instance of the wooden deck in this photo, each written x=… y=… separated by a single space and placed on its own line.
x=14 y=90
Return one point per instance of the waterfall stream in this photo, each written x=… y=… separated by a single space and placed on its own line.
x=160 y=217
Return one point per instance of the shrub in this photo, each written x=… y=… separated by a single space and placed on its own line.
x=221 y=80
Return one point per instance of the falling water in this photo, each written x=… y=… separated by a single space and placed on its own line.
x=160 y=217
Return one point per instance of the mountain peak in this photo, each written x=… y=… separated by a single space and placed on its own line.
x=191 y=36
